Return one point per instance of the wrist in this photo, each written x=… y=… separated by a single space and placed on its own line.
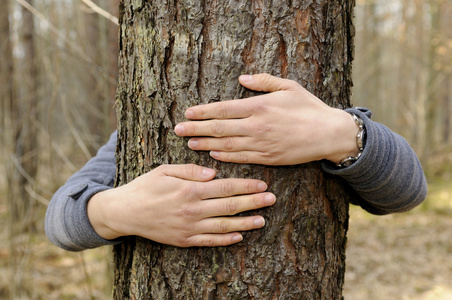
x=99 y=214
x=348 y=142
x=360 y=139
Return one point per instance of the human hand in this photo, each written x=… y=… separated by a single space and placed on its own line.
x=180 y=205
x=288 y=126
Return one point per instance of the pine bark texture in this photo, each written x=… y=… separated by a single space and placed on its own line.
x=176 y=54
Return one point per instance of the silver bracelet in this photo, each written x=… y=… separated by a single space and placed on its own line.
x=360 y=141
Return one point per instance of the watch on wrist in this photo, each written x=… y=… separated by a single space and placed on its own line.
x=360 y=142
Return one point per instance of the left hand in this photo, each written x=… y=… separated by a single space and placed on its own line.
x=287 y=126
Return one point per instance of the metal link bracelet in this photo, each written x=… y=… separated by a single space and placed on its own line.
x=360 y=141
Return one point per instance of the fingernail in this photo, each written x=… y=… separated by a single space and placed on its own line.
x=237 y=238
x=208 y=172
x=193 y=144
x=246 y=78
x=179 y=129
x=214 y=154
x=189 y=114
x=262 y=186
x=259 y=222
x=270 y=199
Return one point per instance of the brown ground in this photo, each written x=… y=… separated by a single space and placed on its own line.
x=403 y=256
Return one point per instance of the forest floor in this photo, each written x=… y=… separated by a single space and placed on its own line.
x=395 y=257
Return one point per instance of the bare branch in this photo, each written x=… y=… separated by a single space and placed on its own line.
x=100 y=11
x=52 y=28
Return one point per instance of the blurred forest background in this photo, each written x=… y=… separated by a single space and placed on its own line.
x=58 y=74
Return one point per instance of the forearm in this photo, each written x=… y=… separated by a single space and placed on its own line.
x=67 y=224
x=388 y=176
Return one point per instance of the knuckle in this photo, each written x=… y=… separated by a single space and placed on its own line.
x=266 y=78
x=242 y=158
x=188 y=211
x=272 y=154
x=222 y=226
x=183 y=242
x=271 y=158
x=217 y=128
x=162 y=168
x=260 y=106
x=248 y=224
x=190 y=169
x=231 y=206
x=226 y=188
x=246 y=186
x=209 y=242
x=250 y=185
x=258 y=200
x=190 y=130
x=187 y=191
x=185 y=233
x=199 y=111
x=292 y=83
x=228 y=144
x=261 y=127
x=222 y=110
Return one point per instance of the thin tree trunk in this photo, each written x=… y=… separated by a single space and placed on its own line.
x=25 y=133
x=23 y=160
x=7 y=90
x=181 y=53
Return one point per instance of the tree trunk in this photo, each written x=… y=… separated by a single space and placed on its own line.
x=22 y=147
x=22 y=206
x=176 y=54
x=7 y=90
x=101 y=37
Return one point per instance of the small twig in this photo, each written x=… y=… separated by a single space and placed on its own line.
x=21 y=170
x=54 y=29
x=73 y=130
x=87 y=277
x=101 y=11
x=36 y=196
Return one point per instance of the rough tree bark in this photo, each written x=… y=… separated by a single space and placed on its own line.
x=175 y=54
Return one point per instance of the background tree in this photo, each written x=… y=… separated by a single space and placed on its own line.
x=7 y=92
x=177 y=54
x=415 y=51
x=6 y=72
x=41 y=102
x=25 y=137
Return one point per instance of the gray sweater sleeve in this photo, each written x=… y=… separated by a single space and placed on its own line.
x=66 y=221
x=388 y=176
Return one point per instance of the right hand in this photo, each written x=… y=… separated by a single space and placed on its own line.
x=286 y=126
x=180 y=205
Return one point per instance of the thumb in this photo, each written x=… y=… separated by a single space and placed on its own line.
x=265 y=83
x=190 y=172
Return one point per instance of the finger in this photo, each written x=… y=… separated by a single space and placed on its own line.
x=190 y=172
x=266 y=83
x=243 y=157
x=212 y=240
x=222 y=144
x=222 y=188
x=215 y=128
x=231 y=109
x=230 y=206
x=230 y=224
